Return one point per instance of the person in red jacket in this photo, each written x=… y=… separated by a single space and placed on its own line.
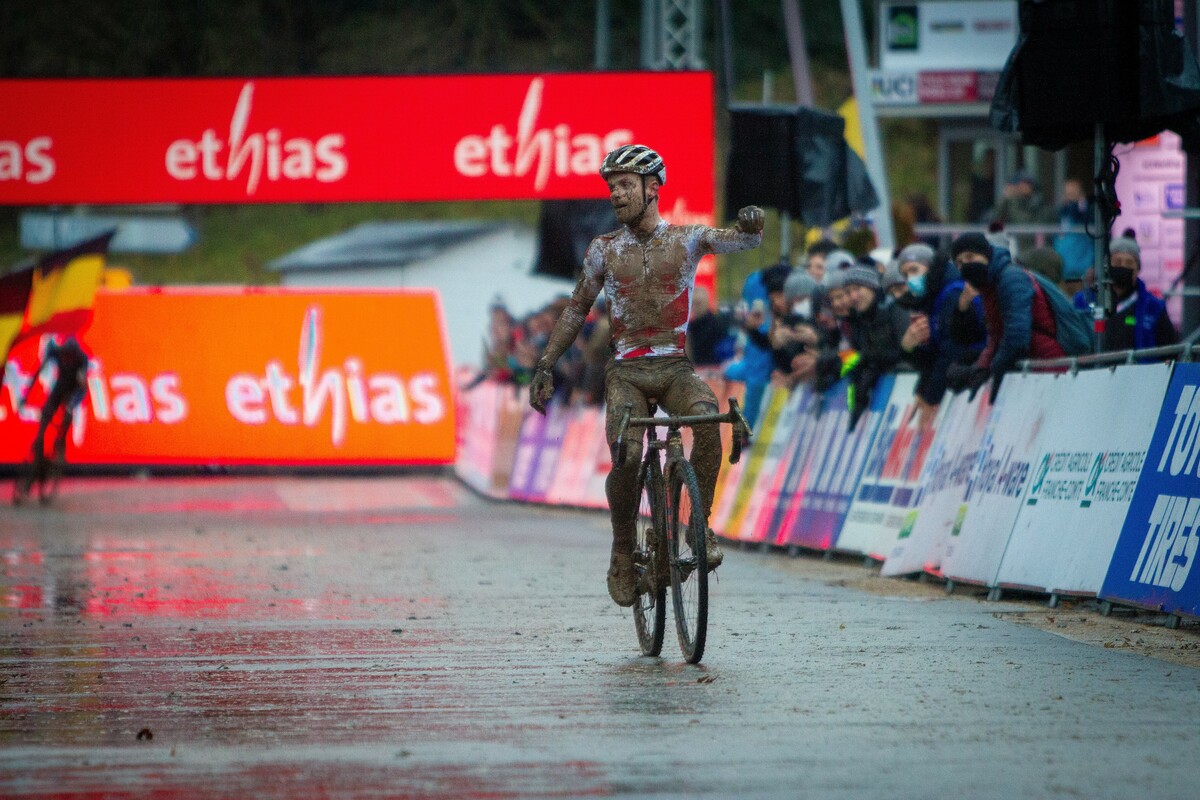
x=1020 y=322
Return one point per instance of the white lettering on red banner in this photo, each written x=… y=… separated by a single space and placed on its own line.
x=28 y=161
x=256 y=153
x=554 y=147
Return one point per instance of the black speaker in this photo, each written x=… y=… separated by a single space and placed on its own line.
x=1078 y=65
x=796 y=160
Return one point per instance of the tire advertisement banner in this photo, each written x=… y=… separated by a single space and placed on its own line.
x=1092 y=451
x=1000 y=475
x=1152 y=565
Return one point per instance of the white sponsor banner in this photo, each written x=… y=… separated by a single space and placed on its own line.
x=1000 y=475
x=1088 y=462
x=947 y=34
x=881 y=498
x=939 y=501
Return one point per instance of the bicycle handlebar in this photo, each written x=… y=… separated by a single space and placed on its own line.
x=741 y=429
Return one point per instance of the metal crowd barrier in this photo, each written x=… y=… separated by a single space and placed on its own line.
x=1176 y=352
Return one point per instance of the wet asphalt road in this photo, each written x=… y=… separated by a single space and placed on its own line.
x=399 y=637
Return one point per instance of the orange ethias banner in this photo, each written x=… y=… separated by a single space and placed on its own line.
x=250 y=376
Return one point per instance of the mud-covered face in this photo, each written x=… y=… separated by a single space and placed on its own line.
x=628 y=200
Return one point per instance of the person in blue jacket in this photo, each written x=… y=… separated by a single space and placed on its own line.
x=1138 y=319
x=944 y=331
x=754 y=367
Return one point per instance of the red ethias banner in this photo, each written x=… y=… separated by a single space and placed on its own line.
x=260 y=376
x=270 y=140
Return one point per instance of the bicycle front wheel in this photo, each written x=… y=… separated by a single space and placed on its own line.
x=649 y=558
x=686 y=527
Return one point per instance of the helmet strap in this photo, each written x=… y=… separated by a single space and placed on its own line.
x=645 y=206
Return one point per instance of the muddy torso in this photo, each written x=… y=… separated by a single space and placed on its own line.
x=649 y=282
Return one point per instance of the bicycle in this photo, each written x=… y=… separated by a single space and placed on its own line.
x=670 y=547
x=42 y=471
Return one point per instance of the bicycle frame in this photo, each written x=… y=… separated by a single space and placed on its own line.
x=741 y=432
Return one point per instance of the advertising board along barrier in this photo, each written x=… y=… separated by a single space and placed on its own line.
x=478 y=415
x=832 y=464
x=1090 y=454
x=1000 y=476
x=224 y=376
x=887 y=487
x=756 y=526
x=1152 y=564
x=939 y=511
x=782 y=453
x=751 y=490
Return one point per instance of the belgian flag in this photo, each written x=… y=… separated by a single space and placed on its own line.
x=54 y=296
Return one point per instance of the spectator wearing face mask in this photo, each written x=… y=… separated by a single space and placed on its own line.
x=1019 y=318
x=1138 y=319
x=933 y=290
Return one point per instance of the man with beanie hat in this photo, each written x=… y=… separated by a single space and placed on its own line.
x=1138 y=319
x=1019 y=318
x=875 y=332
x=794 y=339
x=941 y=334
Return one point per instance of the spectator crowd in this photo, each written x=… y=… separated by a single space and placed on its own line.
x=959 y=317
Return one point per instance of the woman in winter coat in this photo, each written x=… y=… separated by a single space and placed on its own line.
x=943 y=331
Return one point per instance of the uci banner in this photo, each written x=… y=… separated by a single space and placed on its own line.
x=1152 y=566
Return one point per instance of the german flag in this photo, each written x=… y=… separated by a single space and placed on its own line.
x=59 y=292
x=14 y=299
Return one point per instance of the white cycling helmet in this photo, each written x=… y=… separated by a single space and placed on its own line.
x=635 y=158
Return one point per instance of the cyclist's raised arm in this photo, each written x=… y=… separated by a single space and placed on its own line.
x=745 y=234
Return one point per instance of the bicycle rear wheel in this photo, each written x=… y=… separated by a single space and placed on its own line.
x=689 y=563
x=22 y=485
x=52 y=472
x=649 y=558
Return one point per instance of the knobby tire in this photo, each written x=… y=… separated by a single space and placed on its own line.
x=650 y=608
x=689 y=561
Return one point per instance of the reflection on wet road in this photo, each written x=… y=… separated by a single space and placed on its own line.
x=274 y=637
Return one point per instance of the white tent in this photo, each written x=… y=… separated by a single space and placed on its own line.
x=469 y=263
